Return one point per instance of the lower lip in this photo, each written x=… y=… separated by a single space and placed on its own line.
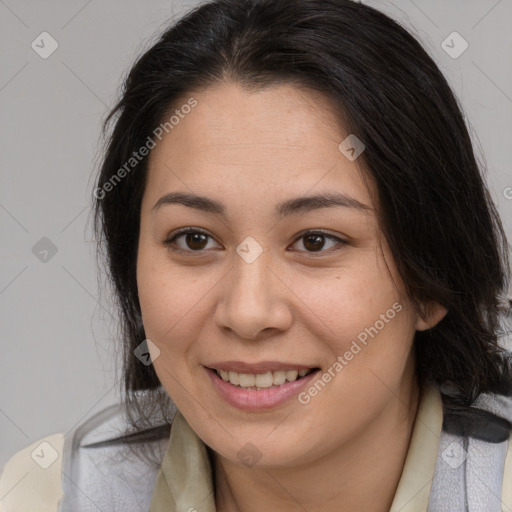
x=256 y=400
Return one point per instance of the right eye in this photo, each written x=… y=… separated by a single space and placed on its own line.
x=193 y=240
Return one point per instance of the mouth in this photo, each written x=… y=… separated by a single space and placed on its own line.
x=259 y=381
x=259 y=387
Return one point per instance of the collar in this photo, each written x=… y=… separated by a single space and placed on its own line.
x=184 y=482
x=413 y=489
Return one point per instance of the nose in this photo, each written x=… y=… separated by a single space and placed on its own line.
x=254 y=302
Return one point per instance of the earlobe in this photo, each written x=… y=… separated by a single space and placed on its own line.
x=433 y=314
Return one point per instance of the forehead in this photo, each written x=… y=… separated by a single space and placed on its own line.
x=281 y=139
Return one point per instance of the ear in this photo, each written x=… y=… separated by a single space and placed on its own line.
x=432 y=314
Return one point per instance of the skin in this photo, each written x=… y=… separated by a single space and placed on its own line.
x=250 y=150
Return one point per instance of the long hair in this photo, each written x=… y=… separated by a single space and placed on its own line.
x=434 y=208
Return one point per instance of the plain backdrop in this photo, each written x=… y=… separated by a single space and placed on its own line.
x=57 y=363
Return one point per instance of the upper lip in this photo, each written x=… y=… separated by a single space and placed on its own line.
x=261 y=367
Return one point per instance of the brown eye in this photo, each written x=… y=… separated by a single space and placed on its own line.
x=188 y=240
x=319 y=242
x=314 y=242
x=196 y=241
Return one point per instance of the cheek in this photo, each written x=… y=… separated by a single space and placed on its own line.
x=344 y=302
x=172 y=312
x=173 y=300
x=365 y=329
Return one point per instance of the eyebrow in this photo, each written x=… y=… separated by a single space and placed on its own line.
x=290 y=207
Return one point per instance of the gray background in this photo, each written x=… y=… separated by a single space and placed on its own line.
x=58 y=361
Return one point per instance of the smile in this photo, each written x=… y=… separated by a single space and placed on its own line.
x=262 y=388
x=260 y=381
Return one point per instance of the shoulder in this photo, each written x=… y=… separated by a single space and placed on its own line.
x=32 y=476
x=492 y=449
x=67 y=472
x=507 y=478
x=500 y=407
x=474 y=454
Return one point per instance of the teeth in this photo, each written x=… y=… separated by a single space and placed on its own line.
x=261 y=380
x=246 y=380
x=264 y=380
x=291 y=375
x=278 y=378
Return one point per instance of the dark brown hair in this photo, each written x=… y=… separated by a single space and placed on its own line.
x=434 y=208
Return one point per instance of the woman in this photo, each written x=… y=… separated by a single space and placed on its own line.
x=310 y=274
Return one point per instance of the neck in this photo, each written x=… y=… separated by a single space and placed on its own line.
x=363 y=474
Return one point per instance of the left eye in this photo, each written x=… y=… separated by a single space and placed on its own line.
x=314 y=241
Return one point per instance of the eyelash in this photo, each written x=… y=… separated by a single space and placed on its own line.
x=168 y=242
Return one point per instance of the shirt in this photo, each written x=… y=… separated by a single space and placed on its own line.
x=184 y=481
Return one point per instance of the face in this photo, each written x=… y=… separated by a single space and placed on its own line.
x=268 y=283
